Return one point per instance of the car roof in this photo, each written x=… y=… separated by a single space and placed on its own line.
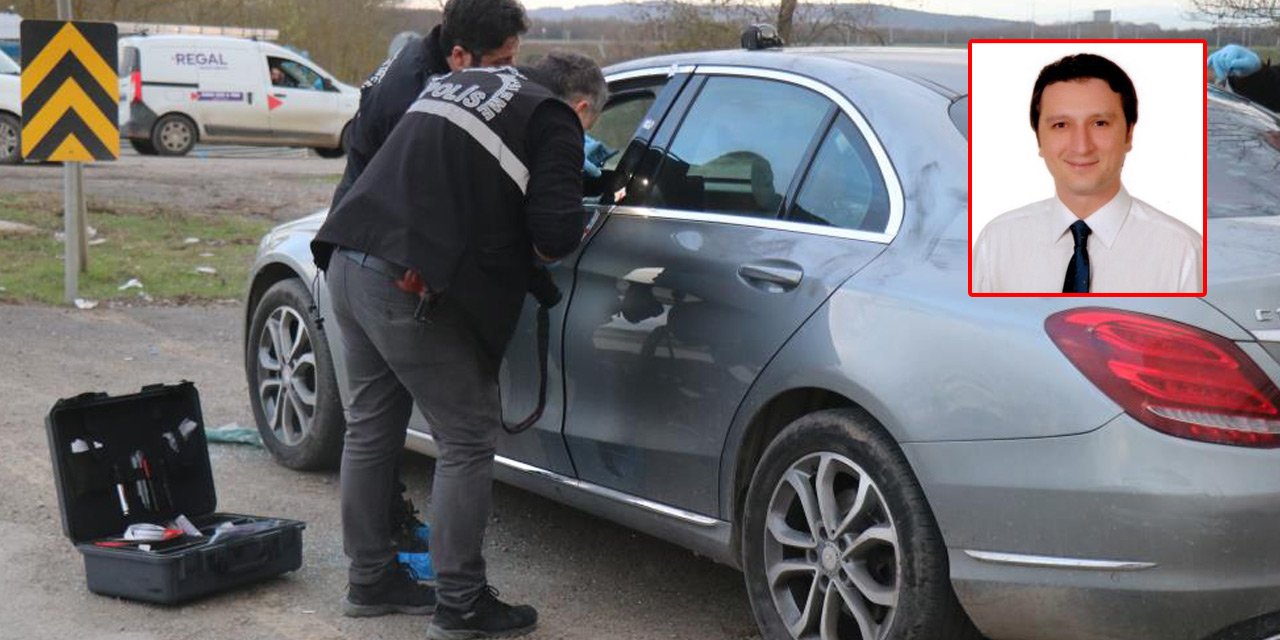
x=942 y=70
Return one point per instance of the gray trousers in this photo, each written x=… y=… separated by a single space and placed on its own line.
x=393 y=361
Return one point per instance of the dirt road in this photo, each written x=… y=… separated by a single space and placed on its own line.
x=591 y=580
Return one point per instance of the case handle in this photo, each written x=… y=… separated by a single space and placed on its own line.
x=242 y=557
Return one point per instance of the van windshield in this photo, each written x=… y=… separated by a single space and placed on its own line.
x=8 y=66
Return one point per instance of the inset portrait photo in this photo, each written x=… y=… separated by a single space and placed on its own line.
x=1087 y=167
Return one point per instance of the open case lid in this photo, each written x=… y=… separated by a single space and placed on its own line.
x=91 y=439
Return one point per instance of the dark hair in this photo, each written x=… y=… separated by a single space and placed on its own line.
x=1083 y=66
x=572 y=75
x=481 y=26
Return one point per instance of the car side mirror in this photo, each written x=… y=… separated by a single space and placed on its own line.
x=328 y=85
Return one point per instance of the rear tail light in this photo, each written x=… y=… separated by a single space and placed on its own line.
x=135 y=79
x=1172 y=377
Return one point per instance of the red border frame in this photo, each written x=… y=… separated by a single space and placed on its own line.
x=1204 y=165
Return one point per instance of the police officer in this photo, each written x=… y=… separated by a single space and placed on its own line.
x=428 y=258
x=472 y=33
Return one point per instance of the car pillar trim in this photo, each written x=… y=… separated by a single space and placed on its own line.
x=892 y=186
x=604 y=492
x=1053 y=562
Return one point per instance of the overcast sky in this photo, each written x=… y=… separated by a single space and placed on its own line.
x=1166 y=14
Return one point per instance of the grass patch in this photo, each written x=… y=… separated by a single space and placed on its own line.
x=144 y=243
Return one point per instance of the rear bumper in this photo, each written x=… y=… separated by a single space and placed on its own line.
x=1122 y=533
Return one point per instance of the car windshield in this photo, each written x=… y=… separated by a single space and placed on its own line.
x=7 y=65
x=1244 y=154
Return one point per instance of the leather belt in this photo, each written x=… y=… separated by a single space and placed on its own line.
x=370 y=261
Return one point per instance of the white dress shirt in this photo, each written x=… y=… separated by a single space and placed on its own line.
x=1133 y=248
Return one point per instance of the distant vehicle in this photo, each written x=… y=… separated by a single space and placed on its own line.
x=10 y=111
x=179 y=90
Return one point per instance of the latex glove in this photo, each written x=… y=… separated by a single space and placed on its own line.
x=597 y=153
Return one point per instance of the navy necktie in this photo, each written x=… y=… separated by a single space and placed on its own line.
x=1077 y=280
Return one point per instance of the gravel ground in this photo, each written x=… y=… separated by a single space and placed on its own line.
x=591 y=580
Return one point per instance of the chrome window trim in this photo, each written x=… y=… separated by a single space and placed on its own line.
x=892 y=184
x=1053 y=562
x=668 y=71
x=1267 y=335
x=747 y=221
x=604 y=492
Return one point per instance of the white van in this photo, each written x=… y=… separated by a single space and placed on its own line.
x=10 y=111
x=177 y=90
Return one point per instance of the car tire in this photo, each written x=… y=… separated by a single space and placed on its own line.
x=838 y=540
x=173 y=135
x=1266 y=627
x=338 y=151
x=143 y=147
x=10 y=139
x=295 y=397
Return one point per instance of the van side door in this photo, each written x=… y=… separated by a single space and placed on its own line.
x=231 y=97
x=303 y=103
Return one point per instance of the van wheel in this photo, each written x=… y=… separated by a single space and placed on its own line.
x=838 y=540
x=10 y=139
x=173 y=135
x=330 y=153
x=341 y=149
x=143 y=147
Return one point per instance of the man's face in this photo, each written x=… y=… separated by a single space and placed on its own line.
x=460 y=58
x=1083 y=137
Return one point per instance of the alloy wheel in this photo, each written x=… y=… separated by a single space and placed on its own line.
x=287 y=376
x=831 y=551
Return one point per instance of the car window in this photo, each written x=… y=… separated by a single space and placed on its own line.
x=618 y=122
x=959 y=112
x=294 y=75
x=738 y=148
x=1244 y=154
x=8 y=66
x=844 y=187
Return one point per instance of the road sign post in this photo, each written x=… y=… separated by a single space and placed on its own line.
x=70 y=113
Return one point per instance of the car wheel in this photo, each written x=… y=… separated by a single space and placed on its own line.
x=173 y=135
x=10 y=139
x=143 y=147
x=291 y=381
x=340 y=150
x=839 y=542
x=1266 y=627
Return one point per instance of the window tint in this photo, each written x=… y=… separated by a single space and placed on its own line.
x=294 y=75
x=738 y=148
x=959 y=112
x=619 y=120
x=1244 y=153
x=844 y=187
x=8 y=66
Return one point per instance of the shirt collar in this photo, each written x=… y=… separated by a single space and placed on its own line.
x=1104 y=224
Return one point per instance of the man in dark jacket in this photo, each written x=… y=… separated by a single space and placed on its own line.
x=472 y=33
x=428 y=258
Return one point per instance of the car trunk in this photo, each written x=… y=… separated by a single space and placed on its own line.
x=1244 y=275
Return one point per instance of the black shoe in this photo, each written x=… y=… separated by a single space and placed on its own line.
x=488 y=617
x=396 y=592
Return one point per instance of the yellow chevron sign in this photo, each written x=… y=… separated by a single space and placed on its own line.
x=69 y=91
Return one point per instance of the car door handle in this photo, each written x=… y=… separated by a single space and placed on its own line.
x=778 y=273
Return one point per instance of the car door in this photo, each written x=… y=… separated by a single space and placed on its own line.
x=716 y=253
x=230 y=98
x=303 y=104
x=637 y=102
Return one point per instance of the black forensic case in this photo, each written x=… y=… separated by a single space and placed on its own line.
x=93 y=438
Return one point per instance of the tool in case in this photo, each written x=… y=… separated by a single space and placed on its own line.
x=135 y=490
